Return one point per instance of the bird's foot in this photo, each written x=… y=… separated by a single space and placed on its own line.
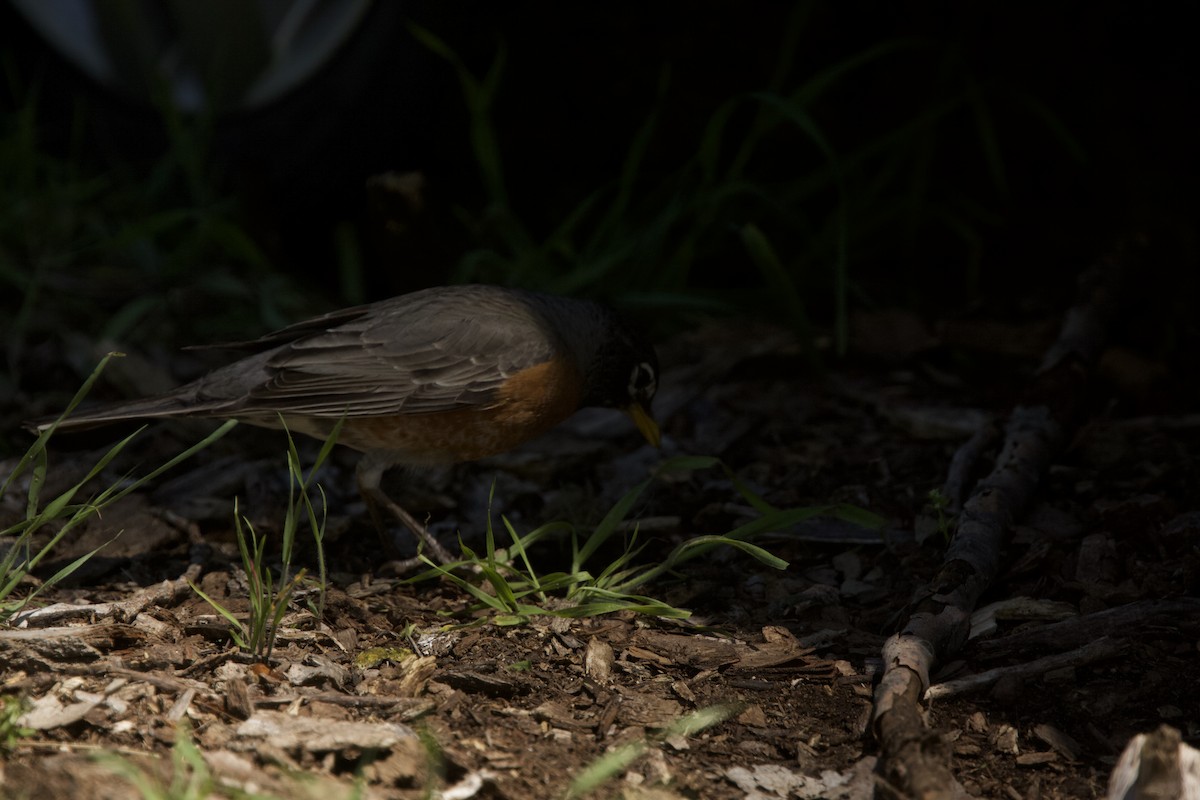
x=425 y=540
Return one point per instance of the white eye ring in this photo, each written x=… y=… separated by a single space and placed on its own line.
x=642 y=381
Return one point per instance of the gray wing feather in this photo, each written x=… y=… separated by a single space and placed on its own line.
x=406 y=358
x=434 y=350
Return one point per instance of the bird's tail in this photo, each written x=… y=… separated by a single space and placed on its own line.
x=159 y=407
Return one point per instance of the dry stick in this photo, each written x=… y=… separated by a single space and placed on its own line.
x=1076 y=631
x=166 y=593
x=915 y=760
x=964 y=460
x=1098 y=650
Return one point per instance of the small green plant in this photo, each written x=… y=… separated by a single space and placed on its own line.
x=268 y=599
x=20 y=556
x=939 y=504
x=267 y=603
x=519 y=592
x=11 y=731
x=300 y=498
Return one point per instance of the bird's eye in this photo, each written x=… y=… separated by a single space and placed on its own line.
x=643 y=382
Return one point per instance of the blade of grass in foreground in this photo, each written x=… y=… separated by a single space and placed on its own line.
x=612 y=764
x=513 y=585
x=299 y=488
x=14 y=568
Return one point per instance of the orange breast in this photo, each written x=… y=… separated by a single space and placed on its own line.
x=528 y=404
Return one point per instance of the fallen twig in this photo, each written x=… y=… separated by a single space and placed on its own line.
x=964 y=461
x=1036 y=431
x=1109 y=622
x=1092 y=651
x=166 y=593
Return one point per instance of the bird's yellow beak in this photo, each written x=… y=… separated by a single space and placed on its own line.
x=645 y=423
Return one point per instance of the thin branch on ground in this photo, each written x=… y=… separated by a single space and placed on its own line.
x=1036 y=431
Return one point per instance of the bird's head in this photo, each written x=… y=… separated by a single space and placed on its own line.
x=624 y=375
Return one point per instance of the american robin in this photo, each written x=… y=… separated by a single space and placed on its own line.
x=438 y=376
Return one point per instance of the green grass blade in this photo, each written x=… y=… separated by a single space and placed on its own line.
x=225 y=428
x=478 y=97
x=612 y=764
x=702 y=544
x=38 y=448
x=858 y=516
x=488 y=600
x=237 y=625
x=989 y=139
x=779 y=280
x=615 y=516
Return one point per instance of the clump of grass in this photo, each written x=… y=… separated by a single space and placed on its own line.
x=269 y=598
x=268 y=604
x=939 y=505
x=518 y=592
x=20 y=556
x=300 y=499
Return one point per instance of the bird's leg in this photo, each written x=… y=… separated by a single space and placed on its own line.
x=370 y=477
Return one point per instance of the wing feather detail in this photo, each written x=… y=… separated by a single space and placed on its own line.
x=405 y=358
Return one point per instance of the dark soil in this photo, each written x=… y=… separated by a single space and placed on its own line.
x=453 y=701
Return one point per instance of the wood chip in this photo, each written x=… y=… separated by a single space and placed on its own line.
x=700 y=652
x=1036 y=759
x=493 y=685
x=1063 y=744
x=598 y=660
x=237 y=699
x=308 y=734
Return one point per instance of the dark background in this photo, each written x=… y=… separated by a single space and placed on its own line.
x=989 y=156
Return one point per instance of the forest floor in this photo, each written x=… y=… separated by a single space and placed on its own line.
x=409 y=689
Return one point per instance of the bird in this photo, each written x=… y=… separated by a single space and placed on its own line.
x=437 y=376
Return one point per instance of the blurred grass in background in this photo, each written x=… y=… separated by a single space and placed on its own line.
x=834 y=167
x=127 y=251
x=763 y=206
